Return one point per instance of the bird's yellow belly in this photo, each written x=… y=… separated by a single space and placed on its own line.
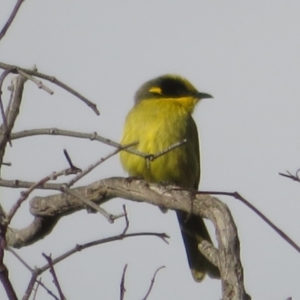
x=155 y=130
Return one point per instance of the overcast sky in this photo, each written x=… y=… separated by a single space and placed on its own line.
x=245 y=53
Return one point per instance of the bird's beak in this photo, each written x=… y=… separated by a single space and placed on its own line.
x=204 y=95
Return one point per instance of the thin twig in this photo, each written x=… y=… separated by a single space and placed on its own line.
x=38 y=271
x=126 y=221
x=122 y=284
x=11 y=18
x=110 y=218
x=10 y=249
x=96 y=164
x=75 y=134
x=4 y=273
x=91 y=167
x=44 y=185
x=291 y=176
x=260 y=214
x=151 y=157
x=55 y=81
x=19 y=184
x=13 y=112
x=118 y=237
x=95 y=137
x=68 y=158
x=2 y=77
x=36 y=289
x=37 y=82
x=25 y=194
x=31 y=283
x=55 y=279
x=47 y=290
x=152 y=282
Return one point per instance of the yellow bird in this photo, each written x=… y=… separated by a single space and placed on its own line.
x=161 y=117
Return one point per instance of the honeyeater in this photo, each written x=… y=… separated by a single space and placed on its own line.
x=160 y=118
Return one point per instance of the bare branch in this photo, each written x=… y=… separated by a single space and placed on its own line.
x=210 y=252
x=152 y=282
x=291 y=176
x=72 y=166
x=55 y=81
x=73 y=170
x=11 y=18
x=2 y=78
x=126 y=220
x=38 y=271
x=30 y=286
x=122 y=284
x=18 y=184
x=4 y=275
x=37 y=82
x=12 y=113
x=95 y=137
x=152 y=157
x=61 y=132
x=23 y=262
x=25 y=194
x=167 y=196
x=55 y=279
x=260 y=214
x=38 y=284
x=37 y=230
x=46 y=289
x=92 y=167
x=114 y=238
x=88 y=202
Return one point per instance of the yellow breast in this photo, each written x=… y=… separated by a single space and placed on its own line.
x=157 y=124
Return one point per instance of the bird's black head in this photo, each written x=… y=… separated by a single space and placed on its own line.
x=168 y=86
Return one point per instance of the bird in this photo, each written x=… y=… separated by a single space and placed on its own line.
x=161 y=117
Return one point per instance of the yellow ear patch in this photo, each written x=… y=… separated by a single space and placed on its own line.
x=156 y=90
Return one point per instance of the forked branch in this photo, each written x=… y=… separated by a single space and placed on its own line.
x=50 y=209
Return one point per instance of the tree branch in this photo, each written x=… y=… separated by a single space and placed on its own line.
x=52 y=79
x=11 y=18
x=12 y=113
x=48 y=210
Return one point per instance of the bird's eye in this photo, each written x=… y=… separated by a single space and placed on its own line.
x=169 y=87
x=173 y=88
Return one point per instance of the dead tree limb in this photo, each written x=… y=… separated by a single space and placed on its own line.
x=48 y=210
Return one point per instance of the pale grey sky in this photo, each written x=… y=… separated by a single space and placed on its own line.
x=245 y=53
